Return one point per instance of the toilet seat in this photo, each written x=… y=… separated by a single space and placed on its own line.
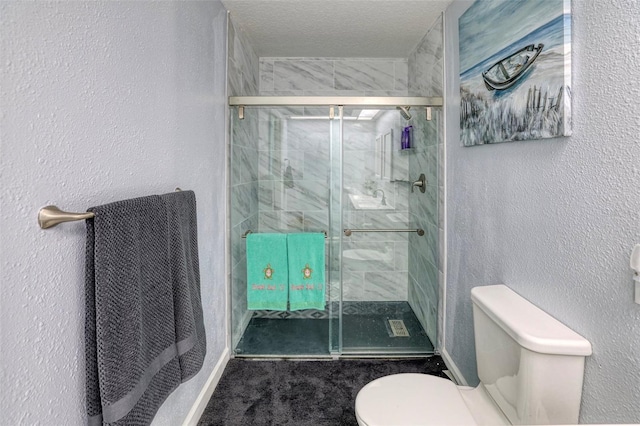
x=411 y=400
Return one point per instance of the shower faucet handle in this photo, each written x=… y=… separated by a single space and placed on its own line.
x=420 y=183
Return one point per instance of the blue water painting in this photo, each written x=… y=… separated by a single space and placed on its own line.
x=515 y=71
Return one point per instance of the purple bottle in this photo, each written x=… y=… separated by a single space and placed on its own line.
x=405 y=141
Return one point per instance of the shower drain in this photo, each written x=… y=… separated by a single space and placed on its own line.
x=398 y=328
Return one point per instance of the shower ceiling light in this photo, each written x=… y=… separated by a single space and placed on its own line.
x=368 y=114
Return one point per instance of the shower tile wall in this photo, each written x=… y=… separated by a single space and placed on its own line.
x=426 y=282
x=333 y=76
x=243 y=80
x=299 y=202
x=293 y=174
x=385 y=277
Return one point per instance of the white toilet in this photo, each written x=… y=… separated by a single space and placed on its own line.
x=530 y=367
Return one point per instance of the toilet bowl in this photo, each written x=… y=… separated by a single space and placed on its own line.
x=420 y=399
x=530 y=366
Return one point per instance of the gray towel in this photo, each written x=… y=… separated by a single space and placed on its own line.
x=185 y=271
x=139 y=281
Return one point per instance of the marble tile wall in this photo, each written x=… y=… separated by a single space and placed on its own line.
x=243 y=65
x=426 y=65
x=243 y=80
x=385 y=276
x=426 y=279
x=333 y=76
x=293 y=173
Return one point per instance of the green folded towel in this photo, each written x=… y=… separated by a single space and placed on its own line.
x=306 y=271
x=267 y=272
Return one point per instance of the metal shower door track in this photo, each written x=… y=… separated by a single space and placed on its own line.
x=370 y=101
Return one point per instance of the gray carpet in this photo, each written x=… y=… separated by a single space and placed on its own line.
x=300 y=393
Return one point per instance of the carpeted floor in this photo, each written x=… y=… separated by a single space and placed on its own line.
x=300 y=393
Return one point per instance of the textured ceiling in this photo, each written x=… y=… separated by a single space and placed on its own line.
x=335 y=28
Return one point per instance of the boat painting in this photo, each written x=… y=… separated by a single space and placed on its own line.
x=504 y=73
x=515 y=71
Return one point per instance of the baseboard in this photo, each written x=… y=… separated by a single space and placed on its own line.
x=205 y=394
x=453 y=368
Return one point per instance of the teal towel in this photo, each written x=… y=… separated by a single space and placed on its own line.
x=306 y=271
x=267 y=273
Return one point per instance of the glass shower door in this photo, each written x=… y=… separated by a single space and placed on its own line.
x=321 y=169
x=377 y=316
x=280 y=183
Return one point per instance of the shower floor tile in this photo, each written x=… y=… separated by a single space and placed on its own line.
x=281 y=337
x=366 y=331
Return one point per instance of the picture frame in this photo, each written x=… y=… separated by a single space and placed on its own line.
x=515 y=71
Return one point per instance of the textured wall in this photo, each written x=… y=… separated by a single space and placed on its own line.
x=426 y=278
x=100 y=101
x=556 y=220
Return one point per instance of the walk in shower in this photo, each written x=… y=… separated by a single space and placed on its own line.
x=344 y=167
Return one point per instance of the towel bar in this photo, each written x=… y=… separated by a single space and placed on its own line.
x=250 y=231
x=418 y=231
x=50 y=216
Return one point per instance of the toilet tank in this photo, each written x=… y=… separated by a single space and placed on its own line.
x=531 y=364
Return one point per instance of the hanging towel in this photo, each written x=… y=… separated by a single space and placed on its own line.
x=185 y=272
x=306 y=271
x=135 y=329
x=267 y=273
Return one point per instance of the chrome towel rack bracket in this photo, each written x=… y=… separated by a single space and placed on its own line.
x=50 y=216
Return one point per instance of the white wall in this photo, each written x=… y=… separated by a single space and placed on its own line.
x=556 y=219
x=101 y=101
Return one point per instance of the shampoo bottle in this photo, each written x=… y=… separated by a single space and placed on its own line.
x=405 y=142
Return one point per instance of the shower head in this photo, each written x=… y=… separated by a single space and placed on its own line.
x=404 y=112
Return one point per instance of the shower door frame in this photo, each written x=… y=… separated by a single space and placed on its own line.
x=329 y=101
x=333 y=103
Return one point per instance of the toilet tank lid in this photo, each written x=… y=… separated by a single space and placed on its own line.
x=527 y=324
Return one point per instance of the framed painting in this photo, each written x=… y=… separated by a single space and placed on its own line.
x=515 y=71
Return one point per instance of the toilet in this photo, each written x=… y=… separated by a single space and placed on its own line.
x=530 y=366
